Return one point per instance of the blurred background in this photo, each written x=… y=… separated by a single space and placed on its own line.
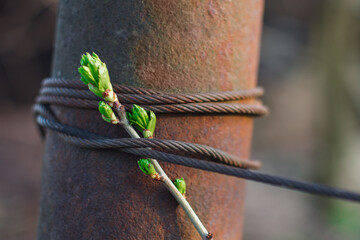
x=310 y=58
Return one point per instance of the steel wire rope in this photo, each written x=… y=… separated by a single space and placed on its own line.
x=200 y=150
x=158 y=98
x=75 y=94
x=83 y=138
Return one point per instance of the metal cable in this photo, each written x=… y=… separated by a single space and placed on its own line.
x=202 y=108
x=83 y=138
x=55 y=84
x=199 y=150
x=75 y=94
x=158 y=98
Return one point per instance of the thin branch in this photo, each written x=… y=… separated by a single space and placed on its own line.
x=205 y=235
x=99 y=81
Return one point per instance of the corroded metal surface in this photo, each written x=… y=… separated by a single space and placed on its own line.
x=174 y=46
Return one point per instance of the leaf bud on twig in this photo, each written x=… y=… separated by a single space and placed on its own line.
x=107 y=113
x=94 y=73
x=142 y=120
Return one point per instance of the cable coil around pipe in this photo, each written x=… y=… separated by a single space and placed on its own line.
x=74 y=94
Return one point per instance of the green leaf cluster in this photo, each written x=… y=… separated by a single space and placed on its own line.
x=142 y=120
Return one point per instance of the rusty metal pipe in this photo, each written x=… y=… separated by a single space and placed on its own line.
x=173 y=46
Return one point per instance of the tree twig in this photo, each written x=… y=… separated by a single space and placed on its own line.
x=95 y=75
x=120 y=110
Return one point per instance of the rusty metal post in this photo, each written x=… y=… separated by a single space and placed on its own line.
x=175 y=46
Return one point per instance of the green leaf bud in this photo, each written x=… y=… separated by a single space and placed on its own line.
x=105 y=109
x=180 y=185
x=107 y=113
x=136 y=117
x=142 y=120
x=147 y=167
x=93 y=71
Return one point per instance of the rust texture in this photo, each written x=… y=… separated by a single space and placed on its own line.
x=174 y=46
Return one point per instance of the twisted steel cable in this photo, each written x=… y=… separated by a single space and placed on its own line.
x=203 y=108
x=75 y=94
x=83 y=138
x=202 y=151
x=57 y=85
x=158 y=98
